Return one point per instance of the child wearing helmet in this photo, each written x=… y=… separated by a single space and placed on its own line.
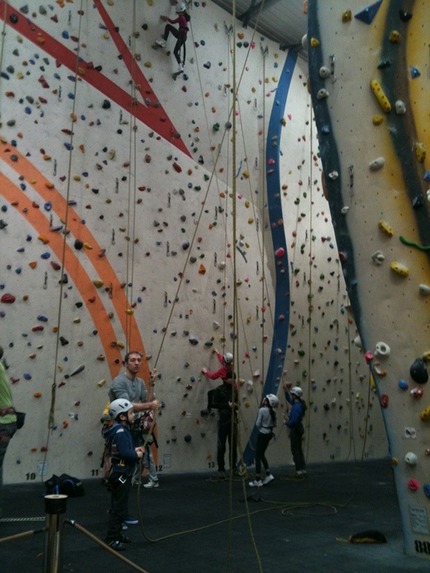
x=266 y=421
x=294 y=423
x=124 y=458
x=179 y=33
x=226 y=361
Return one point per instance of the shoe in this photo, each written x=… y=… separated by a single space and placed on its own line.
x=124 y=539
x=268 y=479
x=301 y=473
x=129 y=520
x=117 y=545
x=124 y=526
x=204 y=413
x=151 y=484
x=221 y=475
x=180 y=68
x=256 y=483
x=236 y=473
x=161 y=43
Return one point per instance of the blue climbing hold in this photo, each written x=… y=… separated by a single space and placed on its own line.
x=45 y=255
x=368 y=14
x=27 y=376
x=415 y=73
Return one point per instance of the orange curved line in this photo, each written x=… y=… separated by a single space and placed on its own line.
x=74 y=269
x=102 y=266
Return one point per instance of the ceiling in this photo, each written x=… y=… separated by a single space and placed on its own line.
x=282 y=21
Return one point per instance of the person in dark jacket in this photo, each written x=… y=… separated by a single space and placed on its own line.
x=225 y=400
x=294 y=423
x=124 y=458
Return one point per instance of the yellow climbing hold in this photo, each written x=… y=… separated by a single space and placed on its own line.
x=77 y=177
x=400 y=269
x=385 y=228
x=380 y=96
x=245 y=174
x=377 y=119
x=250 y=220
x=394 y=37
x=347 y=16
x=129 y=311
x=420 y=152
x=101 y=383
x=98 y=283
x=120 y=344
x=147 y=65
x=88 y=246
x=314 y=43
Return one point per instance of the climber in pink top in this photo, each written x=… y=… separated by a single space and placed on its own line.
x=180 y=33
x=226 y=369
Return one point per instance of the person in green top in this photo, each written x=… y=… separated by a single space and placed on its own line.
x=7 y=419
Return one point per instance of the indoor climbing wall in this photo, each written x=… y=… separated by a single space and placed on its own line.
x=369 y=72
x=147 y=212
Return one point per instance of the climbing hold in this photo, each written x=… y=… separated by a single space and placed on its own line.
x=314 y=42
x=202 y=269
x=377 y=164
x=193 y=340
x=380 y=96
x=417 y=392
x=324 y=72
x=425 y=414
x=400 y=269
x=420 y=152
x=400 y=107
x=378 y=257
x=368 y=14
x=382 y=349
x=377 y=119
x=78 y=370
x=8 y=298
x=394 y=37
x=346 y=16
x=384 y=400
x=280 y=252
x=403 y=385
x=98 y=283
x=187 y=438
x=385 y=228
x=418 y=371
x=415 y=73
x=322 y=94
x=413 y=484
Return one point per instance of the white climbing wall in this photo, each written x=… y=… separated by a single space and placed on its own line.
x=117 y=196
x=369 y=72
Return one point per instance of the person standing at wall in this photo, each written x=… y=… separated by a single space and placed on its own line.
x=266 y=421
x=179 y=33
x=129 y=387
x=8 y=425
x=225 y=400
x=295 y=425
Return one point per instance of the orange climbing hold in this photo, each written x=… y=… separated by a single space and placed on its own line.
x=202 y=269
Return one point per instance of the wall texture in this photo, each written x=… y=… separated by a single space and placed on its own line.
x=140 y=211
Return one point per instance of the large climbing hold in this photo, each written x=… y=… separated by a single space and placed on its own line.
x=368 y=14
x=418 y=371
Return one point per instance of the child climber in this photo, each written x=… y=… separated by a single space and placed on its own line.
x=294 y=423
x=124 y=458
x=266 y=421
x=180 y=33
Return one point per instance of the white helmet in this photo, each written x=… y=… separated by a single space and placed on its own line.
x=228 y=358
x=181 y=7
x=273 y=400
x=296 y=391
x=120 y=406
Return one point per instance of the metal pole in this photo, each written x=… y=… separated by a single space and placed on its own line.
x=55 y=507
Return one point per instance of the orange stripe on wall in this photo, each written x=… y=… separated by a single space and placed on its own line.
x=80 y=231
x=74 y=269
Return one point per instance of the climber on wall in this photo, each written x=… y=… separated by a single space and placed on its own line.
x=179 y=33
x=224 y=372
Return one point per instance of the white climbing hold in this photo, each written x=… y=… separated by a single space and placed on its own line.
x=378 y=257
x=324 y=72
x=322 y=94
x=382 y=349
x=357 y=342
x=333 y=175
x=400 y=107
x=377 y=164
x=345 y=210
x=424 y=289
x=215 y=324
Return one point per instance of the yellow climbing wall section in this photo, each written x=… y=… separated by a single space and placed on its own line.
x=117 y=231
x=370 y=78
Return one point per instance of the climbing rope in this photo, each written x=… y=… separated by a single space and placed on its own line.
x=51 y=414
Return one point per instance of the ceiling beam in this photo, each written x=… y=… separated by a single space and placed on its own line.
x=254 y=9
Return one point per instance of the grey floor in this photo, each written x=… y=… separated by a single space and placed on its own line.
x=191 y=524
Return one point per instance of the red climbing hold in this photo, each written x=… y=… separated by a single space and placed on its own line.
x=384 y=400
x=8 y=298
x=280 y=252
x=177 y=167
x=38 y=327
x=56 y=266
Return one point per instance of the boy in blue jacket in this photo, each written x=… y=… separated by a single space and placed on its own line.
x=295 y=398
x=124 y=459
